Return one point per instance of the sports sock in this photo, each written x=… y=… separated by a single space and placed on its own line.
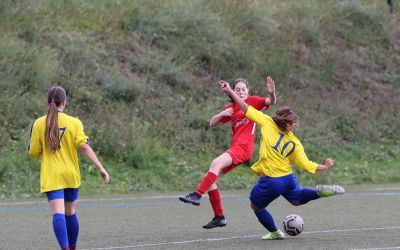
x=206 y=183
x=215 y=200
x=308 y=194
x=72 y=229
x=265 y=218
x=60 y=230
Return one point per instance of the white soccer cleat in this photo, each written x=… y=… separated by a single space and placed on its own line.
x=329 y=190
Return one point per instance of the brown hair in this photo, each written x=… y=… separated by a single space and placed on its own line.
x=55 y=96
x=284 y=117
x=234 y=84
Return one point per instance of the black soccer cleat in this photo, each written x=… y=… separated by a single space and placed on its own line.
x=192 y=198
x=216 y=222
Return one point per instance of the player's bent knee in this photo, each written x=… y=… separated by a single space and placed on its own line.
x=216 y=168
x=255 y=208
x=295 y=203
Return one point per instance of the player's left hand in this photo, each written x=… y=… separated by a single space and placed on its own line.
x=104 y=174
x=269 y=85
x=329 y=163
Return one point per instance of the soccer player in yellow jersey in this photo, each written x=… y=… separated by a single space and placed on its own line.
x=279 y=147
x=55 y=138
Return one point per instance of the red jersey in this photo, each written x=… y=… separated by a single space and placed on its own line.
x=243 y=129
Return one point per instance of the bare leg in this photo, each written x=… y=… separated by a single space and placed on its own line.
x=208 y=182
x=222 y=161
x=57 y=206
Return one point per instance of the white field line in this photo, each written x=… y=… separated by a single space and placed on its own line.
x=175 y=242
x=243 y=237
x=385 y=188
x=381 y=248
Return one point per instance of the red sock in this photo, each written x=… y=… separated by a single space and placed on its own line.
x=206 y=183
x=215 y=201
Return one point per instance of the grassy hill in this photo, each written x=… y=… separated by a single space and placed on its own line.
x=142 y=77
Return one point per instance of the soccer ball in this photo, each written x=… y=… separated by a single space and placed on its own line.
x=293 y=224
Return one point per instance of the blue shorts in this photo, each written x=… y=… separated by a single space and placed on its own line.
x=68 y=194
x=268 y=189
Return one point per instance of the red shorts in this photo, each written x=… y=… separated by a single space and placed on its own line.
x=240 y=154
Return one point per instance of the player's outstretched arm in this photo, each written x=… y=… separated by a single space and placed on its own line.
x=91 y=155
x=328 y=165
x=217 y=119
x=270 y=88
x=227 y=89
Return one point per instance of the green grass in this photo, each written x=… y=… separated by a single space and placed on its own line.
x=142 y=75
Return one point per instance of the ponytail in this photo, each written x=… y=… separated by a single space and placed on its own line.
x=55 y=96
x=52 y=131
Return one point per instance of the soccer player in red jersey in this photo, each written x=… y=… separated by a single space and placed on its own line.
x=240 y=151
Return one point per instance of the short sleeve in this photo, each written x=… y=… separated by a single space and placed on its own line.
x=301 y=160
x=80 y=137
x=257 y=116
x=257 y=102
x=35 y=145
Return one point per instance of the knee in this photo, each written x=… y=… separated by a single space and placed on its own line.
x=70 y=211
x=295 y=203
x=255 y=208
x=70 y=208
x=215 y=167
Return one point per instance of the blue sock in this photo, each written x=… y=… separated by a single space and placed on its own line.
x=308 y=194
x=265 y=218
x=60 y=229
x=72 y=229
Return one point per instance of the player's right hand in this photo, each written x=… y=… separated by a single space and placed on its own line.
x=224 y=86
x=227 y=112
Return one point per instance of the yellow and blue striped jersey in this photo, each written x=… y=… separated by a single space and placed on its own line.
x=278 y=149
x=60 y=169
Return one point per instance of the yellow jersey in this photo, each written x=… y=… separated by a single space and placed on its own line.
x=60 y=169
x=278 y=149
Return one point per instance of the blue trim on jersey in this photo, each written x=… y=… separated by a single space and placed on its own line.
x=30 y=135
